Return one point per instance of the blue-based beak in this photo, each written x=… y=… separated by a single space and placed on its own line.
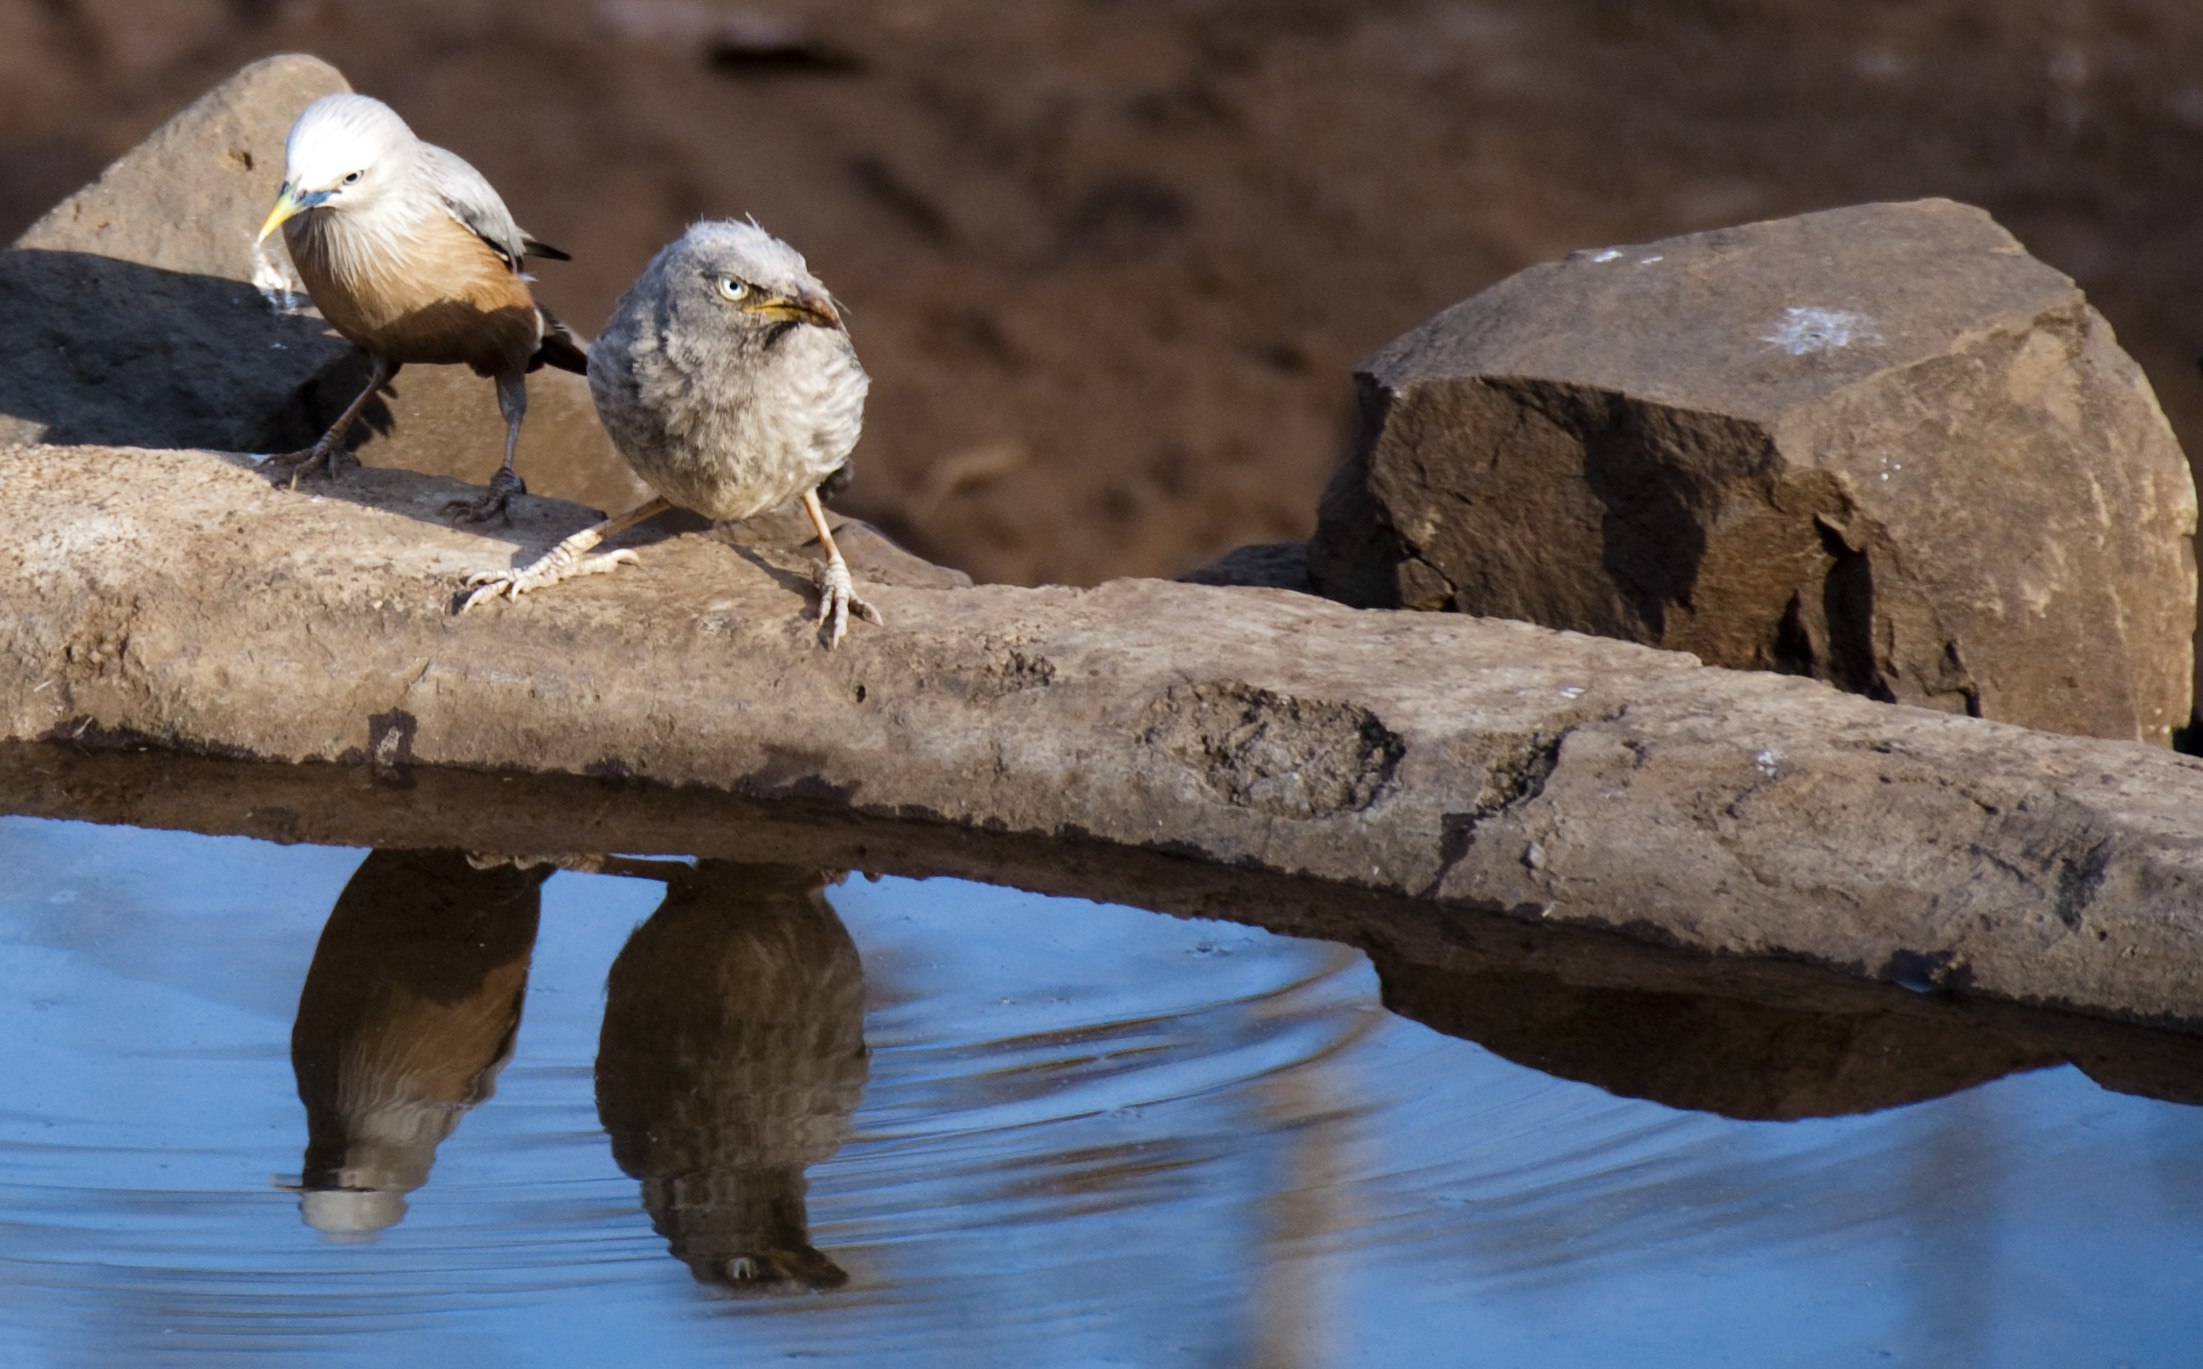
x=288 y=202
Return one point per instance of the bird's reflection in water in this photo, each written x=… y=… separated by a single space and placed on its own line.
x=408 y=1013
x=731 y=1058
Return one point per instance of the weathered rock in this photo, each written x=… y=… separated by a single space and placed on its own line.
x=1474 y=766
x=1880 y=446
x=129 y=314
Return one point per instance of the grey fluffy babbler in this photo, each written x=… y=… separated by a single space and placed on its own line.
x=410 y=255
x=727 y=380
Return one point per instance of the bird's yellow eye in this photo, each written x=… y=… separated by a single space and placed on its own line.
x=732 y=288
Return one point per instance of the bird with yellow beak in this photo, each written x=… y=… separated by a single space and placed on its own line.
x=727 y=379
x=411 y=256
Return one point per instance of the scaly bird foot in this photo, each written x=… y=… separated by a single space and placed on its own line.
x=562 y=562
x=321 y=456
x=494 y=500
x=837 y=595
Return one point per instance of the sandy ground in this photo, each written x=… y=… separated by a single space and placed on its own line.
x=1111 y=261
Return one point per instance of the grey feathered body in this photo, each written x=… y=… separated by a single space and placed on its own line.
x=726 y=413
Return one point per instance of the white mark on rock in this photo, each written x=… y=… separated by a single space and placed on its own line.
x=1533 y=856
x=1650 y=260
x=1608 y=255
x=1822 y=330
x=1572 y=692
x=1767 y=760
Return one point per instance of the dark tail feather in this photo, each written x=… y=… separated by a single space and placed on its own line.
x=545 y=250
x=559 y=347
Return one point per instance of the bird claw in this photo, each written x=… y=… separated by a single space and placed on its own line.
x=321 y=456
x=495 y=500
x=558 y=564
x=837 y=595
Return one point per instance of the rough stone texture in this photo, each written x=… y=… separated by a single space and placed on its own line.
x=129 y=314
x=1471 y=764
x=1880 y=446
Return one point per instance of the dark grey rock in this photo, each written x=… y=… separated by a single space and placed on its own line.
x=1880 y=446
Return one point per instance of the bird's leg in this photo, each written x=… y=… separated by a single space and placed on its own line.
x=323 y=454
x=836 y=593
x=563 y=561
x=512 y=401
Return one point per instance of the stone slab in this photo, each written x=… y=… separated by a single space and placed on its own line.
x=176 y=598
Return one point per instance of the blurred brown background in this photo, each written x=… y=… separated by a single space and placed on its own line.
x=1111 y=261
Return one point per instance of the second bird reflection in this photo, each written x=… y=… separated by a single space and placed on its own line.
x=731 y=1058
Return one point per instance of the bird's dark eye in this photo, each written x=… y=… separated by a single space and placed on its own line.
x=732 y=288
x=353 y=177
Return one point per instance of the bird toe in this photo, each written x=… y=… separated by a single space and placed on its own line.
x=480 y=510
x=837 y=599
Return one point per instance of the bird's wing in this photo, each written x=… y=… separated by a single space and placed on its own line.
x=473 y=202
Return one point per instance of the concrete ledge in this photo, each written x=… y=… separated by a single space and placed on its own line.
x=1460 y=763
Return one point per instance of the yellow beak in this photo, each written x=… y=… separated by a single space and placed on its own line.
x=286 y=204
x=819 y=310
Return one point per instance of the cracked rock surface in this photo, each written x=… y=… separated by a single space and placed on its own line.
x=1879 y=446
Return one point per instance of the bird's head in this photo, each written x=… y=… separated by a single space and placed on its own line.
x=751 y=280
x=344 y=153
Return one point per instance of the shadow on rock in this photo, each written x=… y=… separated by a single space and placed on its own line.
x=100 y=352
x=731 y=1057
x=408 y=1013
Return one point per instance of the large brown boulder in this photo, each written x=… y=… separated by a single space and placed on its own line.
x=138 y=311
x=1881 y=446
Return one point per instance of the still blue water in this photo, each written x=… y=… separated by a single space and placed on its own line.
x=1087 y=1135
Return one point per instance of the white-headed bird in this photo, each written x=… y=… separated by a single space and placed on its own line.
x=727 y=380
x=412 y=257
